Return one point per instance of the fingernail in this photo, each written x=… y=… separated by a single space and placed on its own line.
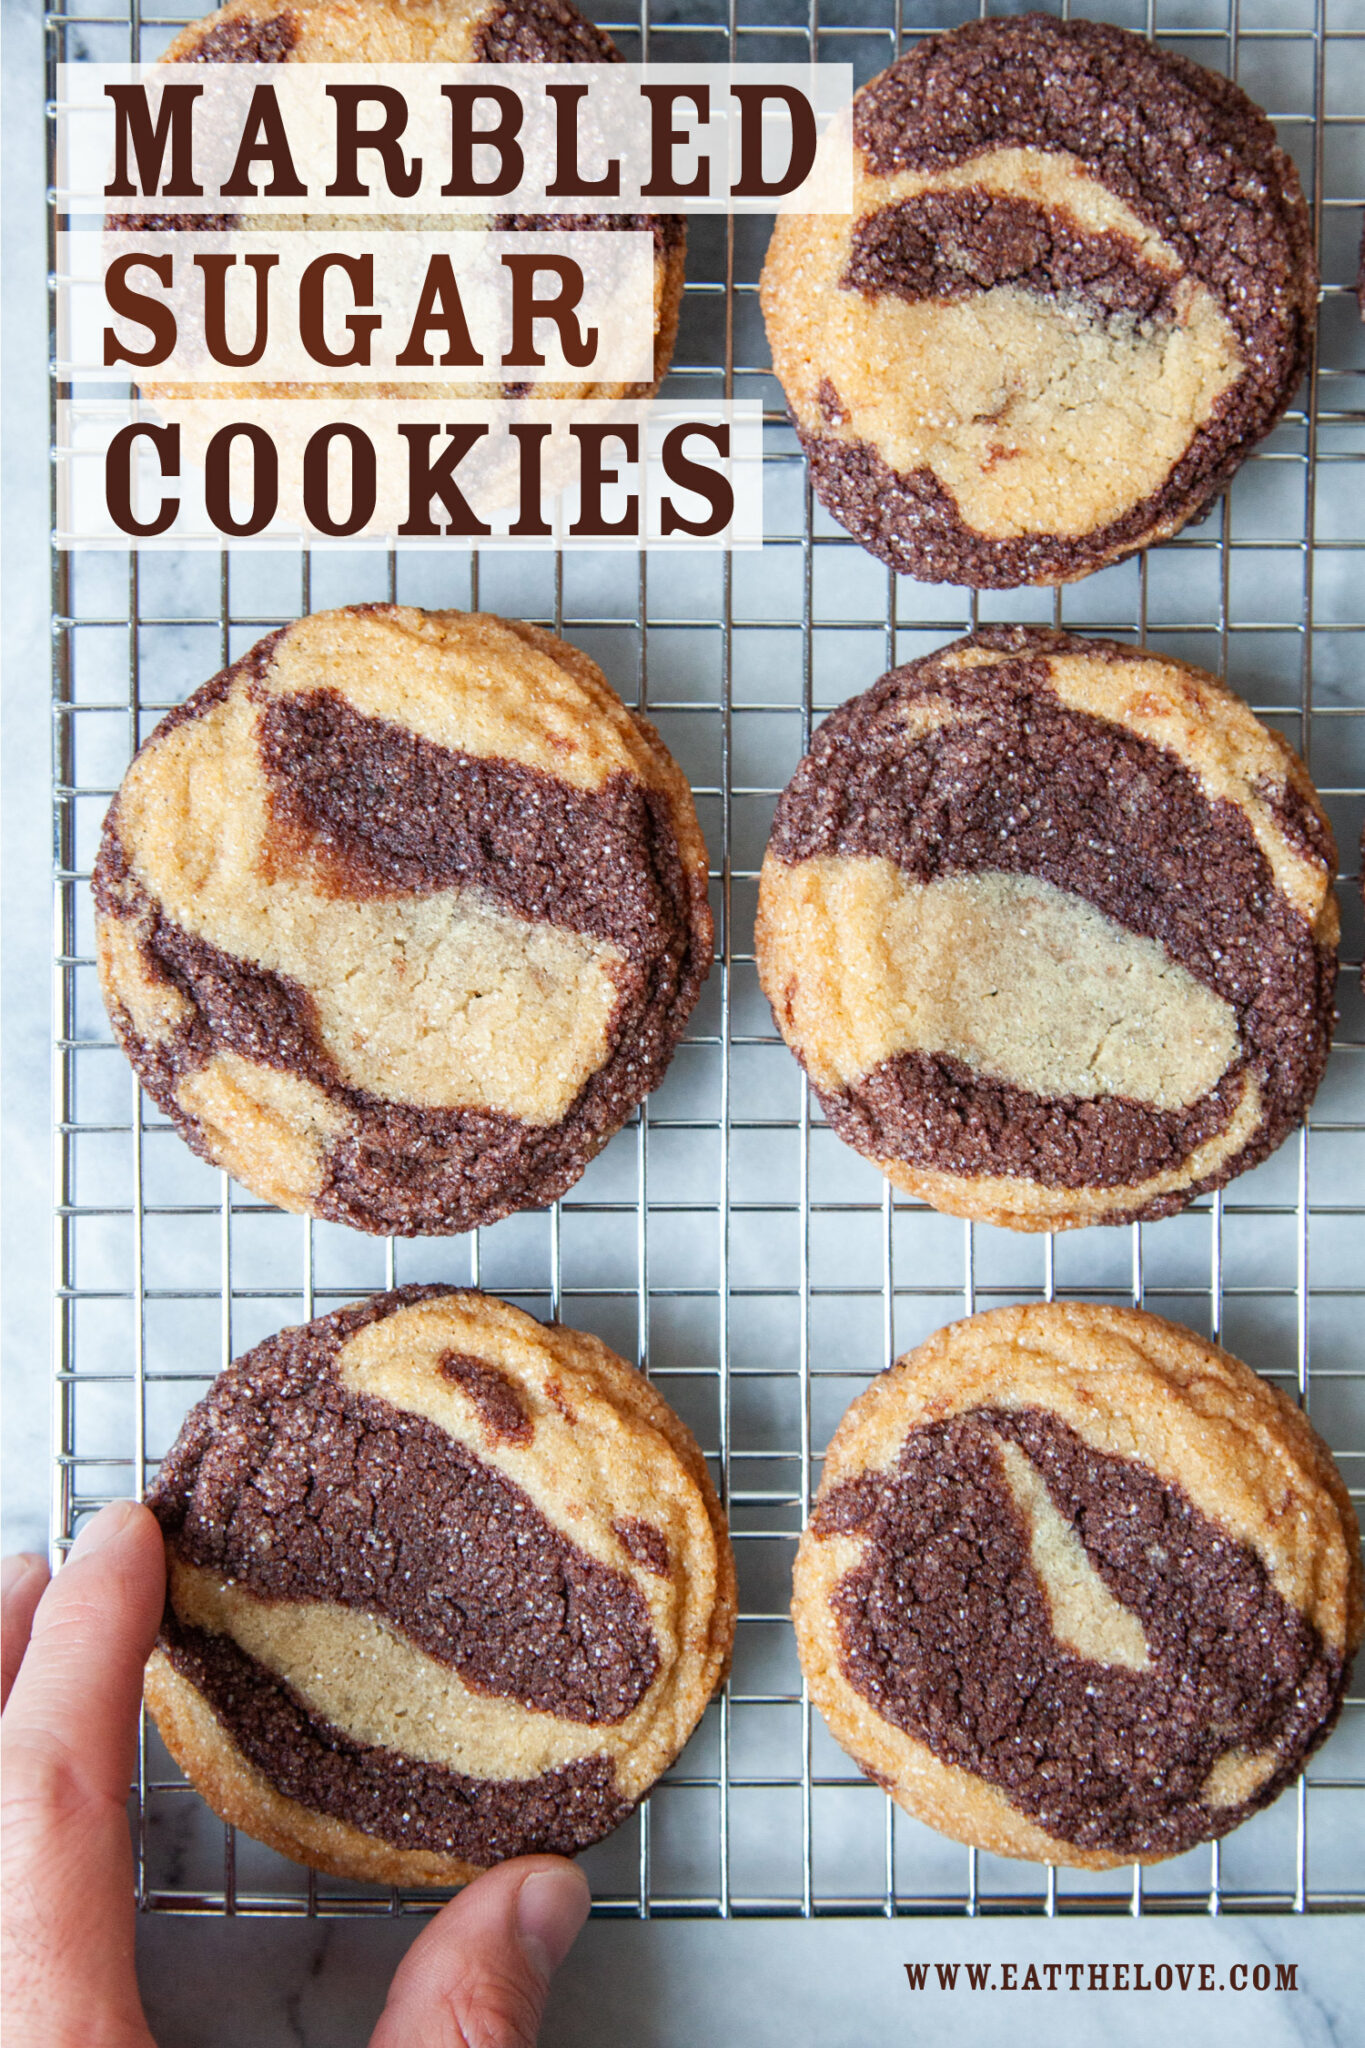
x=104 y=1527
x=14 y=1570
x=551 y=1907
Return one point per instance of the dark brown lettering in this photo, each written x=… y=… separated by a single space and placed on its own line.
x=664 y=138
x=264 y=140
x=215 y=268
x=593 y=478
x=158 y=319
x=440 y=306
x=174 y=126
x=118 y=478
x=570 y=183
x=579 y=345
x=751 y=183
x=312 y=310
x=317 y=492
x=465 y=138
x=400 y=178
x=428 y=479
x=265 y=479
x=694 y=476
x=530 y=437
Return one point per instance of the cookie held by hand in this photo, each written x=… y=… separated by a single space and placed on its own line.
x=1078 y=1586
x=1050 y=924
x=445 y=1586
x=401 y=916
x=1078 y=286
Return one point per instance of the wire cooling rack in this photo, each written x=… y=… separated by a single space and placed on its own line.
x=756 y=1268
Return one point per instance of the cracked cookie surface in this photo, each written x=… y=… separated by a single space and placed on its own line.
x=1078 y=285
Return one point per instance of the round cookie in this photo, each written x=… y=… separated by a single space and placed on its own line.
x=399 y=917
x=445 y=1586
x=422 y=32
x=1078 y=1586
x=1049 y=923
x=1077 y=287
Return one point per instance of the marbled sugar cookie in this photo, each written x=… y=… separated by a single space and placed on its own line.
x=1077 y=287
x=426 y=32
x=1049 y=923
x=399 y=917
x=1078 y=1586
x=446 y=1586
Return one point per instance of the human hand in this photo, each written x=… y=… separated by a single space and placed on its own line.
x=74 y=1652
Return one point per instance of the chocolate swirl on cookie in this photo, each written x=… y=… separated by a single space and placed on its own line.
x=295 y=1487
x=1108 y=1752
x=1079 y=285
x=1078 y=1586
x=404 y=953
x=1016 y=936
x=417 y=1600
x=952 y=245
x=405 y=1801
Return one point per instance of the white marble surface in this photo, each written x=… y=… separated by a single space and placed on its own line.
x=25 y=974
x=838 y=1984
x=215 y=1984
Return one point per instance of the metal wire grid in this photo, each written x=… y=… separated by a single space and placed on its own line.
x=756 y=1268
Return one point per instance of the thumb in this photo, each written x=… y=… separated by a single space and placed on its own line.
x=478 y=1977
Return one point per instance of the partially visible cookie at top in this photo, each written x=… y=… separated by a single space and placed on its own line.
x=423 y=32
x=1050 y=924
x=1077 y=287
x=444 y=1586
x=399 y=917
x=1078 y=1586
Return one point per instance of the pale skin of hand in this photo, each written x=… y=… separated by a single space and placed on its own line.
x=74 y=1651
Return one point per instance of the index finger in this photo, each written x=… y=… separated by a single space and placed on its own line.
x=70 y=1732
x=22 y=1580
x=72 y=1714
